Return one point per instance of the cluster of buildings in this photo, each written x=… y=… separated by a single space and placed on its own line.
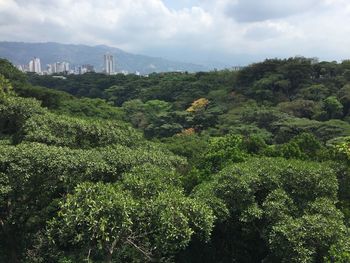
x=64 y=67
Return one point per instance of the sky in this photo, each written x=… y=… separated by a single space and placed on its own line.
x=215 y=32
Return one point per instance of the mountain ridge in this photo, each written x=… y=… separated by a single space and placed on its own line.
x=79 y=54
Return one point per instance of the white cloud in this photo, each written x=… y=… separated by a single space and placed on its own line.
x=230 y=30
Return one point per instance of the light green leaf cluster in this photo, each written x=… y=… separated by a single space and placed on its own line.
x=61 y=130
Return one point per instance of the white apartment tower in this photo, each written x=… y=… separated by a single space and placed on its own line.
x=58 y=67
x=61 y=67
x=109 y=64
x=35 y=65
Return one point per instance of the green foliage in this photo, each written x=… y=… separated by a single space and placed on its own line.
x=264 y=118
x=93 y=108
x=316 y=92
x=287 y=129
x=146 y=181
x=96 y=216
x=275 y=80
x=286 y=207
x=304 y=146
x=339 y=252
x=65 y=103
x=190 y=146
x=62 y=130
x=49 y=98
x=154 y=117
x=153 y=223
x=11 y=73
x=343 y=148
x=255 y=144
x=78 y=184
x=15 y=111
x=34 y=176
x=299 y=108
x=223 y=151
x=300 y=87
x=5 y=88
x=309 y=237
x=344 y=98
x=333 y=107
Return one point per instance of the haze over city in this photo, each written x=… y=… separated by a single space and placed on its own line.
x=231 y=32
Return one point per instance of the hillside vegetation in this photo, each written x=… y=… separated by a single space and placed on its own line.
x=247 y=166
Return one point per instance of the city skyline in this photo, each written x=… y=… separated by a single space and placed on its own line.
x=64 y=67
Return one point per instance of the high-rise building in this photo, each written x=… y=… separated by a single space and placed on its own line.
x=20 y=67
x=31 y=66
x=88 y=67
x=58 y=67
x=109 y=64
x=62 y=67
x=50 y=68
x=35 y=65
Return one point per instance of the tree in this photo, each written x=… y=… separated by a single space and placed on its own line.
x=282 y=210
x=304 y=146
x=5 y=87
x=11 y=73
x=74 y=132
x=97 y=217
x=223 y=151
x=15 y=111
x=333 y=107
x=316 y=92
x=198 y=105
x=119 y=94
x=339 y=252
x=344 y=98
x=299 y=108
x=34 y=177
x=146 y=213
x=309 y=237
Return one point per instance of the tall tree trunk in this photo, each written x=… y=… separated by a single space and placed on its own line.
x=109 y=257
x=110 y=251
x=11 y=243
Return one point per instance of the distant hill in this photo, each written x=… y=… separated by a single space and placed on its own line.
x=21 y=53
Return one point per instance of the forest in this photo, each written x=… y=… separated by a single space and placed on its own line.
x=222 y=166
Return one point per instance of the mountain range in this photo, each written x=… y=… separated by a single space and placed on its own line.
x=20 y=53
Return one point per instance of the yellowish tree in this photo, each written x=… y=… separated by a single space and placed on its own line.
x=198 y=105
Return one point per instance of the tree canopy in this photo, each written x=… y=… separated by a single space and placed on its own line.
x=222 y=166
